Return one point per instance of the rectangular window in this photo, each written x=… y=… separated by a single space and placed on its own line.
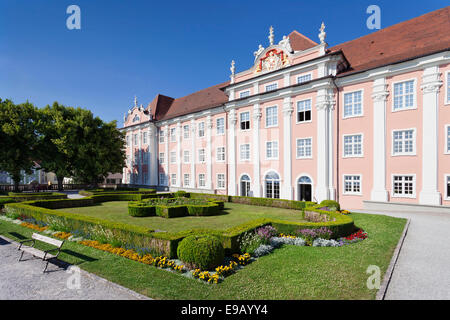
x=201 y=180
x=162 y=179
x=304 y=148
x=220 y=126
x=128 y=140
x=404 y=186
x=135 y=138
x=353 y=145
x=245 y=152
x=404 y=142
x=173 y=179
x=201 y=129
x=186 y=132
x=161 y=136
x=448 y=87
x=448 y=139
x=244 y=94
x=161 y=157
x=221 y=154
x=144 y=137
x=173 y=134
x=304 y=111
x=404 y=95
x=353 y=104
x=271 y=87
x=245 y=120
x=304 y=78
x=186 y=180
x=201 y=155
x=352 y=184
x=220 y=181
x=272 y=116
x=173 y=157
x=272 y=149
x=186 y=156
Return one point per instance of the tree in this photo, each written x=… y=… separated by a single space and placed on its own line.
x=18 y=138
x=75 y=144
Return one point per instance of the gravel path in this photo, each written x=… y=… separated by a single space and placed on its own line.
x=25 y=280
x=423 y=267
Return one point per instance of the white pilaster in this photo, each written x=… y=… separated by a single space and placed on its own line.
x=256 y=151
x=193 y=154
x=323 y=105
x=430 y=87
x=287 y=148
x=179 y=156
x=232 y=120
x=331 y=186
x=209 y=125
x=379 y=97
x=166 y=154
x=153 y=157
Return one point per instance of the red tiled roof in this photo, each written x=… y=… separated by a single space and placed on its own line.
x=300 y=42
x=167 y=108
x=417 y=37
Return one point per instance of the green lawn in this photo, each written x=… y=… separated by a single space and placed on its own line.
x=288 y=273
x=233 y=215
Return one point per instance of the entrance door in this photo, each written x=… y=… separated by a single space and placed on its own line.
x=245 y=186
x=305 y=189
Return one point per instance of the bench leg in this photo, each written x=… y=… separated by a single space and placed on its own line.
x=45 y=267
x=20 y=259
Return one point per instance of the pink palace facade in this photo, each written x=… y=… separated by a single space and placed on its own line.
x=364 y=121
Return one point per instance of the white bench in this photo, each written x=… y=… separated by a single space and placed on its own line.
x=44 y=255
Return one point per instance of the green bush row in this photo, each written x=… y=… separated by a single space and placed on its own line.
x=19 y=197
x=137 y=209
x=112 y=191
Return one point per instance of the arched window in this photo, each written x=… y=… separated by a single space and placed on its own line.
x=272 y=184
x=245 y=185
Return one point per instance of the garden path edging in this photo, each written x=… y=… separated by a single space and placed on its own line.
x=390 y=270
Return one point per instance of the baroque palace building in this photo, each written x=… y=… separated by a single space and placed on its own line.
x=364 y=121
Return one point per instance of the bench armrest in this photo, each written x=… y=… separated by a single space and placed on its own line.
x=26 y=240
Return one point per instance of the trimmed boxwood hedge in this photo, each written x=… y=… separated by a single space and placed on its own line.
x=331 y=204
x=18 y=196
x=201 y=251
x=164 y=243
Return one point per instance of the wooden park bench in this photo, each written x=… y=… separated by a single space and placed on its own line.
x=44 y=255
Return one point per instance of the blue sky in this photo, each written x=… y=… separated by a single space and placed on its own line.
x=143 y=48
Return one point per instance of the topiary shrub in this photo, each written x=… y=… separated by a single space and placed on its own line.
x=201 y=251
x=333 y=205
x=181 y=194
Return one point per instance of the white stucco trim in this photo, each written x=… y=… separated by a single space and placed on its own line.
x=296 y=183
x=414 y=107
x=414 y=195
x=343 y=104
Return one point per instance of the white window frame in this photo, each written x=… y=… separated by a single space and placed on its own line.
x=173 y=134
x=161 y=158
x=135 y=139
x=296 y=111
x=246 y=151
x=446 y=181
x=414 y=95
x=266 y=117
x=447 y=139
x=200 y=180
x=202 y=123
x=249 y=121
x=163 y=179
x=414 y=152
x=199 y=155
x=224 y=154
x=173 y=160
x=188 y=179
x=185 y=137
x=272 y=150
x=304 y=75
x=244 y=94
x=173 y=182
x=161 y=136
x=188 y=156
x=144 y=137
x=269 y=85
x=217 y=181
x=217 y=127
x=296 y=148
x=412 y=196
x=362 y=146
x=352 y=193
x=353 y=115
